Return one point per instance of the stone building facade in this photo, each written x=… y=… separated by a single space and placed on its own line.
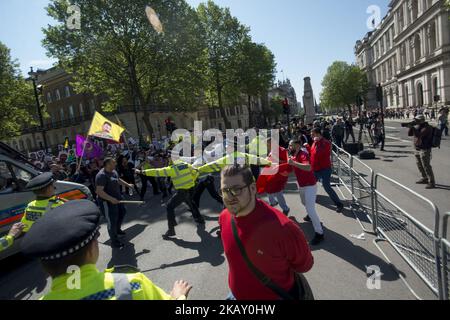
x=409 y=55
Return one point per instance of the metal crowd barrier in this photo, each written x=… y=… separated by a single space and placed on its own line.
x=419 y=246
x=445 y=254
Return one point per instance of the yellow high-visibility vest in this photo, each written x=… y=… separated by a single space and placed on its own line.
x=37 y=208
x=183 y=175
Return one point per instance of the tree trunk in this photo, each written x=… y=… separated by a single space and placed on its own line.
x=219 y=97
x=251 y=114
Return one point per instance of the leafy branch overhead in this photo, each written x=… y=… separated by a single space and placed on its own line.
x=16 y=97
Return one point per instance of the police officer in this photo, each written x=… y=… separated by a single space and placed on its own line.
x=70 y=255
x=8 y=240
x=43 y=187
x=184 y=177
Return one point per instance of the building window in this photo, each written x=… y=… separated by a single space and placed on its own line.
x=67 y=91
x=61 y=113
x=414 y=10
x=432 y=35
x=417 y=47
x=57 y=94
x=81 y=109
x=435 y=88
x=71 y=114
x=49 y=97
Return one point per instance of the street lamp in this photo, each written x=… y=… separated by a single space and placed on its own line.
x=34 y=77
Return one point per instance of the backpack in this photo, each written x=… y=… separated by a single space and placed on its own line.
x=437 y=135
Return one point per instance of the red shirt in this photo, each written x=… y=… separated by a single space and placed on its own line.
x=304 y=178
x=274 y=244
x=321 y=155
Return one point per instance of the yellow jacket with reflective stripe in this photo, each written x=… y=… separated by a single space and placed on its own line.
x=6 y=242
x=37 y=208
x=236 y=157
x=183 y=175
x=96 y=285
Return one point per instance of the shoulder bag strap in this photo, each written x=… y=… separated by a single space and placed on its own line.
x=266 y=281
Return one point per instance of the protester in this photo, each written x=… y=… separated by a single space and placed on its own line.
x=274 y=244
x=108 y=185
x=307 y=185
x=321 y=164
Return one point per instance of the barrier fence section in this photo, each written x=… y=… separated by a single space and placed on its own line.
x=421 y=248
x=445 y=254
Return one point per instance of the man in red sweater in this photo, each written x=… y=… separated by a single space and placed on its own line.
x=273 y=243
x=321 y=165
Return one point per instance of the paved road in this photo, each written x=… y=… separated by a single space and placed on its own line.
x=197 y=255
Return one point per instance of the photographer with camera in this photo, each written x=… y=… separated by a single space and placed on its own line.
x=423 y=142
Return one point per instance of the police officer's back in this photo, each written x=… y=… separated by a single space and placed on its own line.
x=44 y=189
x=72 y=251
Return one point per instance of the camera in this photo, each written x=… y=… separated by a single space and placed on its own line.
x=409 y=124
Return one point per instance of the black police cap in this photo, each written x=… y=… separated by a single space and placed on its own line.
x=62 y=231
x=40 y=182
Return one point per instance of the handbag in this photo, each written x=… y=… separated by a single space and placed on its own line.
x=305 y=292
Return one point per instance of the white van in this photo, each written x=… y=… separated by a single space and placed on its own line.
x=15 y=172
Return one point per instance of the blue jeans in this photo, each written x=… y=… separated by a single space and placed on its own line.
x=325 y=177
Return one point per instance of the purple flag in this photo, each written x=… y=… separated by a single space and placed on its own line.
x=91 y=150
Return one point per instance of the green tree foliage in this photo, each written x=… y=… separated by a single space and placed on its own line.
x=225 y=37
x=342 y=84
x=256 y=69
x=16 y=97
x=118 y=53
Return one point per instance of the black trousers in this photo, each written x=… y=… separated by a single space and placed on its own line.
x=179 y=197
x=209 y=185
x=114 y=214
x=157 y=184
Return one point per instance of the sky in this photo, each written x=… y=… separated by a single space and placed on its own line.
x=306 y=36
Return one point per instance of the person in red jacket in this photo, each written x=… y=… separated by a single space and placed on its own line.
x=273 y=243
x=321 y=165
x=307 y=185
x=276 y=183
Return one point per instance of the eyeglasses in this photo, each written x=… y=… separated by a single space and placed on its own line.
x=233 y=191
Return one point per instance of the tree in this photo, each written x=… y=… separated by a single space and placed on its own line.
x=16 y=97
x=116 y=52
x=225 y=37
x=256 y=71
x=342 y=84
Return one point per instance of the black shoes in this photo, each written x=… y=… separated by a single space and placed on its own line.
x=117 y=245
x=318 y=238
x=121 y=233
x=340 y=208
x=286 y=212
x=430 y=186
x=170 y=233
x=307 y=219
x=422 y=181
x=274 y=205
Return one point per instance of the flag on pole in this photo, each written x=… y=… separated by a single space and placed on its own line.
x=66 y=143
x=91 y=150
x=105 y=129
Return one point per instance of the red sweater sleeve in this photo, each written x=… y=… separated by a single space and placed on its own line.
x=296 y=249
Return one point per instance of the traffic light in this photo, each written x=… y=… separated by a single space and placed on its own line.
x=286 y=106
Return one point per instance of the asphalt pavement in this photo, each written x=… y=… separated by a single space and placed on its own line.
x=340 y=270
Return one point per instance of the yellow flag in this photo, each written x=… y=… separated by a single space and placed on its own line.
x=66 y=143
x=104 y=128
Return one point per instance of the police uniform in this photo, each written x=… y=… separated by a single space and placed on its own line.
x=230 y=159
x=74 y=226
x=184 y=177
x=39 y=207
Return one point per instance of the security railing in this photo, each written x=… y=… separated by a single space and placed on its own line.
x=422 y=248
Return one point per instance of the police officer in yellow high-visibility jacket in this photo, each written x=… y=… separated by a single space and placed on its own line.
x=8 y=240
x=258 y=147
x=44 y=189
x=70 y=255
x=184 y=177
